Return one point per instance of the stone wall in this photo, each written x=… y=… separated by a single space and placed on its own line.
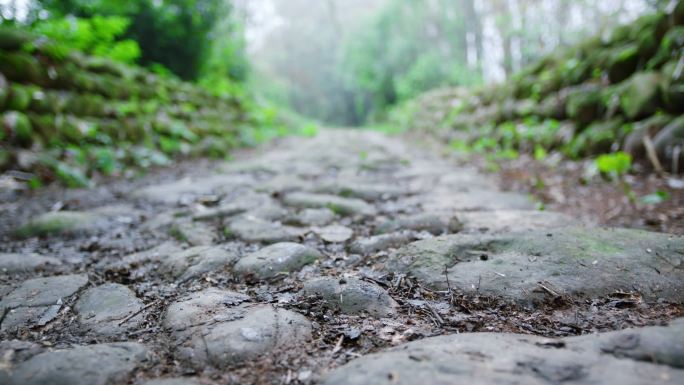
x=604 y=94
x=56 y=106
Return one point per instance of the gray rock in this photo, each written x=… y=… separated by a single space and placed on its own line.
x=72 y=223
x=444 y=200
x=269 y=212
x=312 y=217
x=159 y=222
x=196 y=261
x=352 y=296
x=365 y=190
x=156 y=253
x=216 y=327
x=500 y=221
x=334 y=233
x=103 y=309
x=186 y=190
x=172 y=381
x=339 y=205
x=62 y=223
x=432 y=223
x=194 y=233
x=282 y=184
x=508 y=359
x=13 y=263
x=276 y=259
x=370 y=245
x=14 y=352
x=251 y=229
x=242 y=204
x=35 y=300
x=532 y=266
x=102 y=364
x=662 y=345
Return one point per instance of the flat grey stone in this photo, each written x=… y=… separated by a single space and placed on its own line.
x=499 y=358
x=186 y=190
x=194 y=233
x=334 y=233
x=216 y=327
x=172 y=381
x=312 y=217
x=532 y=266
x=283 y=184
x=73 y=223
x=196 y=261
x=156 y=253
x=241 y=204
x=444 y=200
x=14 y=263
x=38 y=297
x=105 y=309
x=62 y=223
x=364 y=190
x=512 y=220
x=271 y=211
x=14 y=352
x=102 y=364
x=339 y=205
x=251 y=229
x=370 y=245
x=276 y=259
x=432 y=223
x=352 y=296
x=661 y=345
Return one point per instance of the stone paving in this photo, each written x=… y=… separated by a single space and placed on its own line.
x=349 y=258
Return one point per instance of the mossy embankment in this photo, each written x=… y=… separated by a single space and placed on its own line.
x=67 y=116
x=623 y=90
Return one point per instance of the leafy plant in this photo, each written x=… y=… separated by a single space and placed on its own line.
x=656 y=198
x=99 y=36
x=540 y=153
x=310 y=130
x=614 y=165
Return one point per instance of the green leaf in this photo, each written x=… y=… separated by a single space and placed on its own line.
x=655 y=198
x=615 y=164
x=540 y=153
x=71 y=176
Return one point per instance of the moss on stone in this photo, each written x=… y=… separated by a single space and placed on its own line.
x=19 y=98
x=59 y=223
x=641 y=95
x=585 y=104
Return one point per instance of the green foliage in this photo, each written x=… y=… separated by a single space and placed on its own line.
x=615 y=165
x=97 y=36
x=310 y=130
x=180 y=35
x=71 y=176
x=540 y=153
x=395 y=58
x=656 y=198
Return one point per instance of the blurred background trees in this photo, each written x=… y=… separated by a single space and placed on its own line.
x=346 y=61
x=343 y=62
x=190 y=39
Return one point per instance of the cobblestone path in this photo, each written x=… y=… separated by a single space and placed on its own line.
x=349 y=258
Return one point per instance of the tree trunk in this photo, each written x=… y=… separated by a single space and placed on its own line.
x=473 y=28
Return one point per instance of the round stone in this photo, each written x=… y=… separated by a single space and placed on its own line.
x=109 y=309
x=218 y=328
x=277 y=259
x=352 y=296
